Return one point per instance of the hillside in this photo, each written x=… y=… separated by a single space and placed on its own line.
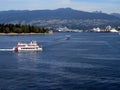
x=59 y=17
x=116 y=14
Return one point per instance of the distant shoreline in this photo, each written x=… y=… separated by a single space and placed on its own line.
x=22 y=33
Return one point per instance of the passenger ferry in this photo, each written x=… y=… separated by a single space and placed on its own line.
x=32 y=46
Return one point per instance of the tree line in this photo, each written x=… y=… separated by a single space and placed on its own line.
x=17 y=28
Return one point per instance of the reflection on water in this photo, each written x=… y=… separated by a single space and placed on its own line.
x=28 y=60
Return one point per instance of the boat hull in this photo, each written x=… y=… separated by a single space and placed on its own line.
x=27 y=49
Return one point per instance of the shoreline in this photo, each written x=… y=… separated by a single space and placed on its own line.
x=22 y=33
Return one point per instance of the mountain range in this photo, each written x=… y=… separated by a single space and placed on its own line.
x=116 y=14
x=59 y=17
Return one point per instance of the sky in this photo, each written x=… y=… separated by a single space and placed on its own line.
x=106 y=6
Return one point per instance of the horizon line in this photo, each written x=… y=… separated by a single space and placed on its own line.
x=99 y=11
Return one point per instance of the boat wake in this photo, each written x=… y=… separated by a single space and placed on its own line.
x=6 y=49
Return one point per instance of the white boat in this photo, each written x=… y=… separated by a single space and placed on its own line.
x=67 y=37
x=32 y=46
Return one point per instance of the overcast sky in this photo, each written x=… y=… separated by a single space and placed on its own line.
x=107 y=6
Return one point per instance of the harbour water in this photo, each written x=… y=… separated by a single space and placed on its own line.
x=85 y=61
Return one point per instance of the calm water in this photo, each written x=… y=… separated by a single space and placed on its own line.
x=87 y=61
